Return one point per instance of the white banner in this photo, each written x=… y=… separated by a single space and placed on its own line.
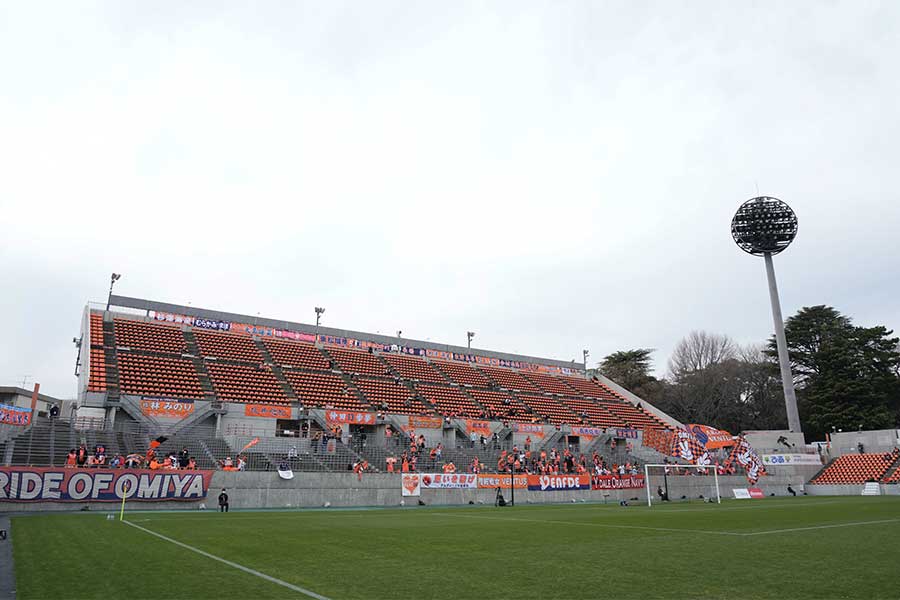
x=741 y=493
x=450 y=481
x=775 y=460
x=410 y=484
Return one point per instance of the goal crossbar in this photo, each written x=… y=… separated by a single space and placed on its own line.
x=670 y=466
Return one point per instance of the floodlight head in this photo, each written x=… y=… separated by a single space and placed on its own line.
x=115 y=277
x=320 y=310
x=764 y=225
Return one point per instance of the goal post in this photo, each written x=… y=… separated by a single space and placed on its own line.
x=666 y=470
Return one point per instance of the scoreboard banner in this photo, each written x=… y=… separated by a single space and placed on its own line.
x=48 y=484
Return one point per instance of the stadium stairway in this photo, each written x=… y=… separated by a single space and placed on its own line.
x=113 y=384
x=202 y=372
x=45 y=443
x=276 y=369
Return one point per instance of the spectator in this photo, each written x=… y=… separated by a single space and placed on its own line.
x=54 y=411
x=71 y=459
x=183 y=457
x=192 y=464
x=292 y=452
x=241 y=463
x=473 y=437
x=390 y=461
x=528 y=443
x=223 y=501
x=227 y=463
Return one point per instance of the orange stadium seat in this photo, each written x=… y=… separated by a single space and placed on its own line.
x=160 y=376
x=229 y=346
x=138 y=335
x=296 y=354
x=463 y=373
x=358 y=362
x=550 y=409
x=501 y=404
x=854 y=469
x=413 y=368
x=318 y=390
x=391 y=396
x=449 y=400
x=508 y=379
x=244 y=383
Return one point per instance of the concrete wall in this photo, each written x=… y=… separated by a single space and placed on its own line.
x=883 y=440
x=849 y=490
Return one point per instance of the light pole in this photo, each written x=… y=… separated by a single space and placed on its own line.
x=764 y=226
x=112 y=281
x=319 y=312
x=585 y=354
x=469 y=336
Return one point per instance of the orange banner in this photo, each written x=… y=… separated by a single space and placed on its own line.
x=270 y=411
x=502 y=481
x=341 y=417
x=532 y=429
x=417 y=422
x=166 y=408
x=479 y=427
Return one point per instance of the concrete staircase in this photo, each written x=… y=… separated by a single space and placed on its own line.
x=113 y=383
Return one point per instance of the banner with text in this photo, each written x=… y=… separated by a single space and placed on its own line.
x=449 y=481
x=346 y=417
x=784 y=460
x=553 y=483
x=418 y=422
x=532 y=429
x=502 y=481
x=270 y=411
x=36 y=484
x=614 y=482
x=586 y=432
x=175 y=409
x=627 y=433
x=14 y=415
x=482 y=428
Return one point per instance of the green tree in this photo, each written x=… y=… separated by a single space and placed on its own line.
x=846 y=376
x=628 y=368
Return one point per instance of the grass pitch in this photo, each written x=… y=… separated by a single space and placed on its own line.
x=827 y=547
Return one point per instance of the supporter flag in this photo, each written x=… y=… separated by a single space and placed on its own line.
x=250 y=444
x=156 y=443
x=746 y=456
x=686 y=446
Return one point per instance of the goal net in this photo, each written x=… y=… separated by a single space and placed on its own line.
x=673 y=483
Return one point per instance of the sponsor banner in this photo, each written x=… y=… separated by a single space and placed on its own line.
x=449 y=481
x=741 y=494
x=212 y=324
x=174 y=409
x=502 y=481
x=480 y=427
x=248 y=329
x=710 y=437
x=756 y=493
x=552 y=483
x=532 y=429
x=627 y=433
x=344 y=417
x=294 y=335
x=417 y=422
x=14 y=415
x=36 y=484
x=171 y=317
x=589 y=432
x=410 y=484
x=614 y=482
x=270 y=411
x=783 y=460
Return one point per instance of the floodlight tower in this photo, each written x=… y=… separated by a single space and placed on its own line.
x=764 y=226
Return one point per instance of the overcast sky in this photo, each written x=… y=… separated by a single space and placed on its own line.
x=553 y=176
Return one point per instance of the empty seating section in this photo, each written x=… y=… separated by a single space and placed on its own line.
x=550 y=409
x=229 y=346
x=893 y=477
x=852 y=469
x=596 y=414
x=463 y=373
x=96 y=330
x=97 y=376
x=633 y=416
x=160 y=376
x=138 y=335
x=501 y=404
x=510 y=380
x=449 y=400
x=296 y=354
x=243 y=383
x=355 y=361
x=548 y=383
x=390 y=396
x=588 y=387
x=413 y=368
x=318 y=390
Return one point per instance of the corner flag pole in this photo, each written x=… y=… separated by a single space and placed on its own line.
x=125 y=489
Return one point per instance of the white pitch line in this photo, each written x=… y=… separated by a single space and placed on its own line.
x=813 y=527
x=581 y=524
x=240 y=567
